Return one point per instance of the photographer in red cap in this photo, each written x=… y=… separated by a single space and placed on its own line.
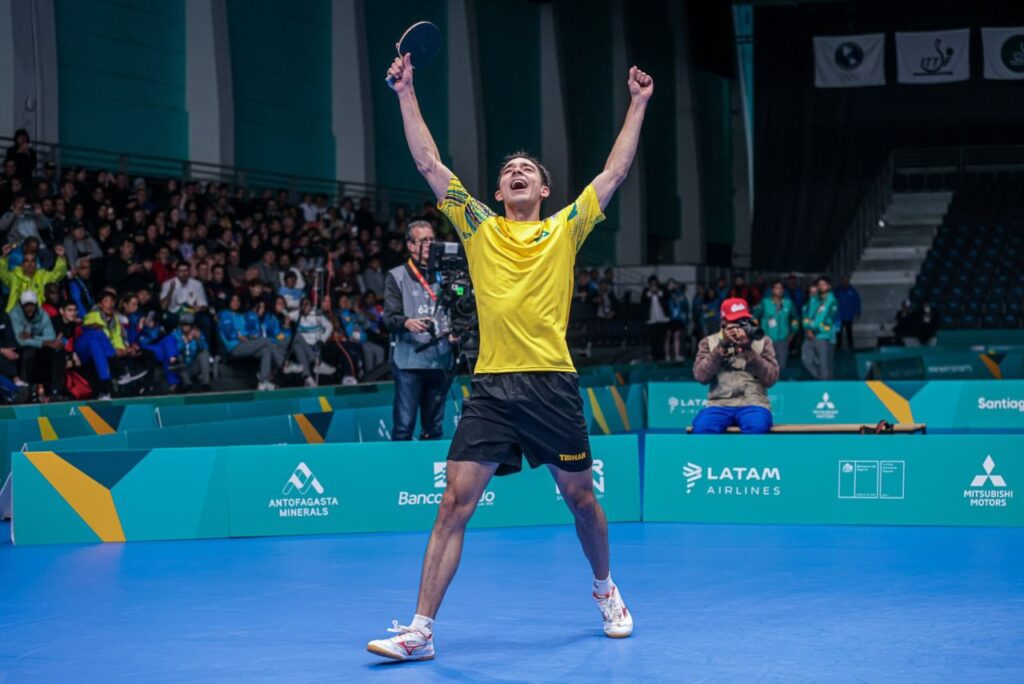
x=739 y=365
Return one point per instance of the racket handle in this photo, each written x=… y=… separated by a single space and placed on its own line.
x=390 y=80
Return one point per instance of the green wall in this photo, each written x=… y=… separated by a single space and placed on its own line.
x=385 y=22
x=590 y=105
x=281 y=78
x=121 y=69
x=651 y=40
x=714 y=141
x=509 y=43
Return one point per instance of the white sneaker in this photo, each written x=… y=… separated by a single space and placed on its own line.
x=103 y=397
x=131 y=377
x=618 y=622
x=311 y=381
x=291 y=368
x=18 y=382
x=408 y=644
x=324 y=368
x=265 y=386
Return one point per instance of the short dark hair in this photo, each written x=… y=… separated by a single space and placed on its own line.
x=523 y=154
x=825 y=278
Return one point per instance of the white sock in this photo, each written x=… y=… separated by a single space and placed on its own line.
x=423 y=623
x=603 y=587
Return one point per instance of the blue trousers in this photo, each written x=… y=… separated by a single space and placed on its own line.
x=92 y=346
x=423 y=391
x=713 y=420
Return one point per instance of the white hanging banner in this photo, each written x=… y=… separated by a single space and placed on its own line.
x=1004 y=53
x=933 y=56
x=849 y=61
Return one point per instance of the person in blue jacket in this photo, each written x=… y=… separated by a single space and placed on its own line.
x=241 y=340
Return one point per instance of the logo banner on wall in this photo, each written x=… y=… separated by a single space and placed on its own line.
x=933 y=56
x=1004 y=53
x=929 y=480
x=849 y=61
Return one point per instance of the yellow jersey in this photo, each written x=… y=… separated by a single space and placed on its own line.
x=522 y=274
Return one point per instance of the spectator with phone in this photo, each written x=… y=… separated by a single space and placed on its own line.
x=738 y=363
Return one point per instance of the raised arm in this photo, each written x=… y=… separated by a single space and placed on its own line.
x=417 y=135
x=641 y=87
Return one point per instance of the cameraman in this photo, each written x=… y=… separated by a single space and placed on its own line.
x=421 y=378
x=739 y=364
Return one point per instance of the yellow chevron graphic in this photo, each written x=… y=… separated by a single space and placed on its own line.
x=308 y=431
x=46 y=431
x=91 y=500
x=621 y=406
x=100 y=426
x=993 y=367
x=598 y=414
x=325 y=405
x=897 y=405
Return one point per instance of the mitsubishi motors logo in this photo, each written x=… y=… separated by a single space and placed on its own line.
x=988 y=489
x=826 y=408
x=989 y=465
x=692 y=472
x=301 y=481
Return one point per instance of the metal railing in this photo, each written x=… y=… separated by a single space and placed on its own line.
x=865 y=222
x=958 y=160
x=385 y=199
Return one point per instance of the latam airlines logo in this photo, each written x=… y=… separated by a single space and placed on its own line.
x=988 y=489
x=734 y=480
x=686 y=405
x=304 y=496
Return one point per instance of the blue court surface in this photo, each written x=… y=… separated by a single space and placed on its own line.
x=712 y=603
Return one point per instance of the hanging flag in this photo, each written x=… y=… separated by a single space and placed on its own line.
x=933 y=56
x=849 y=61
x=1004 y=53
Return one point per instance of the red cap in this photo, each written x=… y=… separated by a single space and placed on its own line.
x=734 y=308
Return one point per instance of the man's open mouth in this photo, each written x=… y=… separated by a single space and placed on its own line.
x=518 y=184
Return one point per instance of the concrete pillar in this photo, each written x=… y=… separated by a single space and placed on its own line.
x=465 y=105
x=554 y=134
x=351 y=107
x=689 y=248
x=34 y=47
x=209 y=96
x=631 y=240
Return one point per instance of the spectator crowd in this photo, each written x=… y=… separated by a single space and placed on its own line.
x=804 y=318
x=115 y=285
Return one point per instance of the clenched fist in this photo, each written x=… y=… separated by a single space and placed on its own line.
x=641 y=85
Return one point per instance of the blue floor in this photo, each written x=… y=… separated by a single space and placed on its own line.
x=712 y=603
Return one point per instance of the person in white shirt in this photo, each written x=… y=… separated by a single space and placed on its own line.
x=183 y=291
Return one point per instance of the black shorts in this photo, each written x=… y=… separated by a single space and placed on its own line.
x=536 y=413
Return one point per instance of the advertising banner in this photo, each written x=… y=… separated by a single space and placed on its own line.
x=201 y=492
x=835 y=479
x=398 y=486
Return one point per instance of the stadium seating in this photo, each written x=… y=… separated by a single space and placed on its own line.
x=973 y=275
